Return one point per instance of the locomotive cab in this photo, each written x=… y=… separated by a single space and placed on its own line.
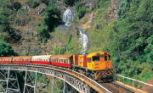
x=99 y=61
x=100 y=64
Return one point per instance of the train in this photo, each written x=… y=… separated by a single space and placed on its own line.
x=96 y=65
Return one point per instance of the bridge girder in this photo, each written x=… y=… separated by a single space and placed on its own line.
x=30 y=87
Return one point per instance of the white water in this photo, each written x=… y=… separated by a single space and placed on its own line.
x=68 y=16
x=84 y=41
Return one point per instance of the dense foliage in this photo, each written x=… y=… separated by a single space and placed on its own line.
x=5 y=49
x=8 y=33
x=133 y=37
x=129 y=38
x=80 y=10
x=52 y=19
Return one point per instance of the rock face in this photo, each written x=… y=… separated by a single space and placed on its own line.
x=114 y=6
x=86 y=21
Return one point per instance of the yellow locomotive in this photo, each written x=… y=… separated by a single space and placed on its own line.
x=97 y=65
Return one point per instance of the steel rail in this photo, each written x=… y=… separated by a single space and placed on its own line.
x=41 y=69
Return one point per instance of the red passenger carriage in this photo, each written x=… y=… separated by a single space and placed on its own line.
x=61 y=60
x=5 y=60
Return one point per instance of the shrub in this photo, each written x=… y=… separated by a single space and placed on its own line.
x=34 y=3
x=80 y=10
x=70 y=2
x=43 y=33
x=52 y=19
x=5 y=49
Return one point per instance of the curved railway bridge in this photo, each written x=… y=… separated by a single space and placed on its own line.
x=78 y=81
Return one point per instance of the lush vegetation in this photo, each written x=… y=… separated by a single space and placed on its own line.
x=52 y=19
x=7 y=32
x=129 y=38
x=81 y=10
x=5 y=49
x=133 y=38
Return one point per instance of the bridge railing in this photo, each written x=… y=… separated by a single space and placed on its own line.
x=134 y=82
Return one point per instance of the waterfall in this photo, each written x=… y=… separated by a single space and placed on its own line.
x=68 y=16
x=84 y=41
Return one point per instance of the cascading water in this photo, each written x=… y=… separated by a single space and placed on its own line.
x=84 y=41
x=68 y=16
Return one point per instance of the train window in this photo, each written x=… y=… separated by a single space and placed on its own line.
x=63 y=60
x=105 y=57
x=59 y=60
x=95 y=58
x=53 y=60
x=66 y=61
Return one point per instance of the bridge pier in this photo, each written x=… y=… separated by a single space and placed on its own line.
x=9 y=82
x=65 y=87
x=30 y=82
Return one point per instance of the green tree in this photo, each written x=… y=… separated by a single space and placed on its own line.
x=133 y=35
x=5 y=49
x=81 y=10
x=7 y=32
x=43 y=32
x=52 y=19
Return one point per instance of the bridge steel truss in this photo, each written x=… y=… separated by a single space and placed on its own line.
x=9 y=79
x=78 y=81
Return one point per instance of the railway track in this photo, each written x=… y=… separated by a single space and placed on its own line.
x=115 y=88
x=119 y=87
